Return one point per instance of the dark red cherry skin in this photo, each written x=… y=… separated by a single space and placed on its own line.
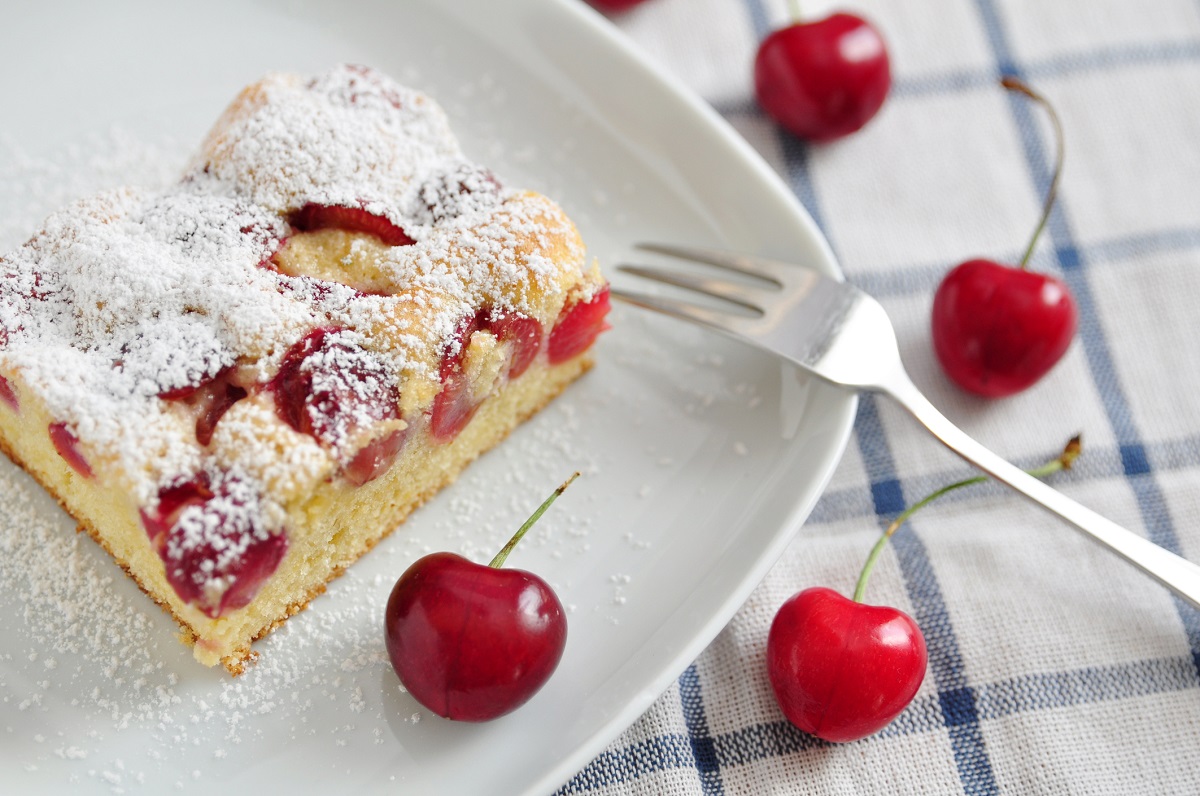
x=842 y=670
x=824 y=79
x=312 y=217
x=997 y=329
x=472 y=642
x=615 y=6
x=454 y=406
x=525 y=335
x=67 y=445
x=316 y=396
x=577 y=327
x=374 y=458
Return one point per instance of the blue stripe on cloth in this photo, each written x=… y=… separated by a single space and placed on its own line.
x=759 y=21
x=1034 y=692
x=1104 y=59
x=992 y=701
x=1081 y=686
x=1151 y=503
x=955 y=696
x=703 y=749
x=661 y=753
x=796 y=153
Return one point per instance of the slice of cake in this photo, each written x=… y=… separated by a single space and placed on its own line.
x=238 y=385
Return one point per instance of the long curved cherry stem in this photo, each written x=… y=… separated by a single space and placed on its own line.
x=1063 y=462
x=500 y=558
x=1014 y=84
x=794 y=9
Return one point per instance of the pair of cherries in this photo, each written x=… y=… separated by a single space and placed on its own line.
x=996 y=329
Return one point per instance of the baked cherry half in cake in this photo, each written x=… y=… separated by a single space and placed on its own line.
x=67 y=445
x=455 y=405
x=578 y=327
x=312 y=217
x=337 y=392
x=210 y=399
x=449 y=194
x=8 y=395
x=207 y=531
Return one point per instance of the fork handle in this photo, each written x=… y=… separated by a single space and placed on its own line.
x=1176 y=573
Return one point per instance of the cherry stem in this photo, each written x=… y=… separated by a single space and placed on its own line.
x=498 y=561
x=794 y=9
x=1063 y=462
x=1014 y=84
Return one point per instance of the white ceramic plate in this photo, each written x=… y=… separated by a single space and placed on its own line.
x=701 y=458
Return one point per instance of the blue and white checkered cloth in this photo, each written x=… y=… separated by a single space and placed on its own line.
x=1053 y=667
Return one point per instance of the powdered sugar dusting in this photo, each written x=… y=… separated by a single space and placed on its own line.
x=349 y=137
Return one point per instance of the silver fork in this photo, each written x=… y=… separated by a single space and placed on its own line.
x=843 y=336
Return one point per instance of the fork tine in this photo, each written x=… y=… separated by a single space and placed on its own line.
x=737 y=294
x=683 y=310
x=771 y=270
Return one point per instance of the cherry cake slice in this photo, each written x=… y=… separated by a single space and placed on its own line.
x=239 y=384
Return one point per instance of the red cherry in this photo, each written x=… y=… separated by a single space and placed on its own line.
x=473 y=642
x=842 y=670
x=449 y=194
x=374 y=458
x=998 y=329
x=313 y=217
x=577 y=327
x=454 y=406
x=825 y=79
